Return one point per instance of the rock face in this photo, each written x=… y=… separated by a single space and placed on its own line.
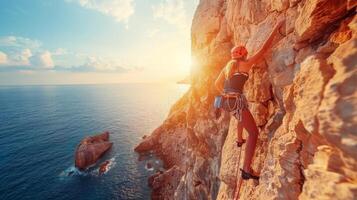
x=303 y=96
x=91 y=149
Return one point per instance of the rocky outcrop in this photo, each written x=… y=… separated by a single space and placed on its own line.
x=303 y=96
x=104 y=167
x=90 y=149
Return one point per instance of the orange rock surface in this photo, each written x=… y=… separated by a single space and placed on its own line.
x=303 y=96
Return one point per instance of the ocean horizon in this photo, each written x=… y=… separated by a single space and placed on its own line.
x=41 y=125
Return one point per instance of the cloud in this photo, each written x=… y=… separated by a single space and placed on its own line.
x=3 y=58
x=23 y=54
x=173 y=12
x=19 y=57
x=13 y=41
x=18 y=50
x=95 y=64
x=59 y=52
x=121 y=10
x=42 y=60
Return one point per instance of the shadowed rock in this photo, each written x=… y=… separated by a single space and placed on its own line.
x=91 y=149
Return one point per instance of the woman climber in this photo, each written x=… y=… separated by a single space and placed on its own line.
x=230 y=84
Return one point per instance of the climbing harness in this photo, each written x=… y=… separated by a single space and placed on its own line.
x=237 y=99
x=239 y=104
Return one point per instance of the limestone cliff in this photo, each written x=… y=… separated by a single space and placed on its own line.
x=303 y=97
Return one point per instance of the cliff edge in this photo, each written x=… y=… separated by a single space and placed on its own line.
x=303 y=97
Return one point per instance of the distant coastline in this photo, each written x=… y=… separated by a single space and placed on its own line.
x=186 y=80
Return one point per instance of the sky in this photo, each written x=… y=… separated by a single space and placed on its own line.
x=94 y=41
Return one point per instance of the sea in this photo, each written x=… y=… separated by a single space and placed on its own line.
x=40 y=127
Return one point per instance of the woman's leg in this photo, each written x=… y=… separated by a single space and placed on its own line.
x=239 y=132
x=250 y=125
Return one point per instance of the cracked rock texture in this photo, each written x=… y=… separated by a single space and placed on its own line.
x=303 y=96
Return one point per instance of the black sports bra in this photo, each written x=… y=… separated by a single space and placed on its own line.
x=235 y=83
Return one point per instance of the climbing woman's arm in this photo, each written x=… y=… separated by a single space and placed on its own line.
x=220 y=80
x=267 y=44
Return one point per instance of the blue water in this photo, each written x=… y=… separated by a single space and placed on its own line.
x=40 y=127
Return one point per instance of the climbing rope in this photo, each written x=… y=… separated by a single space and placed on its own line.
x=238 y=177
x=187 y=151
x=234 y=105
x=236 y=111
x=238 y=106
x=186 y=187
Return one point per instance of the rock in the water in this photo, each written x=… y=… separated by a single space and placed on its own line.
x=149 y=165
x=91 y=149
x=104 y=167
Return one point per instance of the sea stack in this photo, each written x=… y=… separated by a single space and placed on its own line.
x=90 y=149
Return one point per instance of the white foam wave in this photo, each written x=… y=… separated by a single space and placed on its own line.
x=91 y=170
x=72 y=171
x=109 y=166
x=149 y=168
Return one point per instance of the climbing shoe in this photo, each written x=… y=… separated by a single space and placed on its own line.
x=239 y=144
x=246 y=175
